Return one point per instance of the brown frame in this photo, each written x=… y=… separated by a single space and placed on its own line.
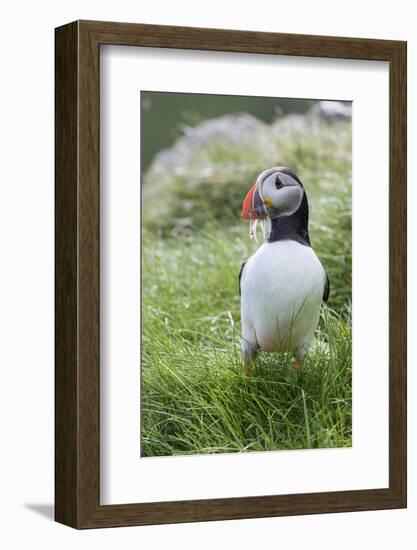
x=77 y=274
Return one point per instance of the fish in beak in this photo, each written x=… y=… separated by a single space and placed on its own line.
x=254 y=210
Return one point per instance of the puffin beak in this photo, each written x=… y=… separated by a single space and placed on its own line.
x=253 y=207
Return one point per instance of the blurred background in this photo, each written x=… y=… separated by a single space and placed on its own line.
x=166 y=116
x=200 y=155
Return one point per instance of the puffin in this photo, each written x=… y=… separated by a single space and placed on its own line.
x=283 y=284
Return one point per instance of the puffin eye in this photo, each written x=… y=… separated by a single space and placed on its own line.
x=278 y=183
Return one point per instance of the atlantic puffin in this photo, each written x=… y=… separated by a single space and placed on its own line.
x=283 y=284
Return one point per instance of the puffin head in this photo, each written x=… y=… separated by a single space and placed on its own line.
x=277 y=192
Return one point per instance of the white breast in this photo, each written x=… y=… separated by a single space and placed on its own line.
x=282 y=290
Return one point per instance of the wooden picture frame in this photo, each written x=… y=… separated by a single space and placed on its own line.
x=77 y=373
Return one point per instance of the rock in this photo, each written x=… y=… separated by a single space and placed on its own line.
x=236 y=129
x=331 y=110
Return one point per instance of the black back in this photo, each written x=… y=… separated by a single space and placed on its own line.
x=293 y=227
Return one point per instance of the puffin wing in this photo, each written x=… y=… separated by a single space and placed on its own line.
x=326 y=290
x=242 y=267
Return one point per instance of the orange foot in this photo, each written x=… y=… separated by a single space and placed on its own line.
x=246 y=369
x=298 y=364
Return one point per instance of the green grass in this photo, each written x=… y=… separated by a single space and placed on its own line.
x=194 y=397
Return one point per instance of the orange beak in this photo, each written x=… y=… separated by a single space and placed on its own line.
x=253 y=207
x=248 y=206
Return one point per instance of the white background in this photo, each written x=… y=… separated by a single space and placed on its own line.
x=26 y=295
x=126 y=478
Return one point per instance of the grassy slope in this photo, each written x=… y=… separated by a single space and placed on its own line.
x=194 y=397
